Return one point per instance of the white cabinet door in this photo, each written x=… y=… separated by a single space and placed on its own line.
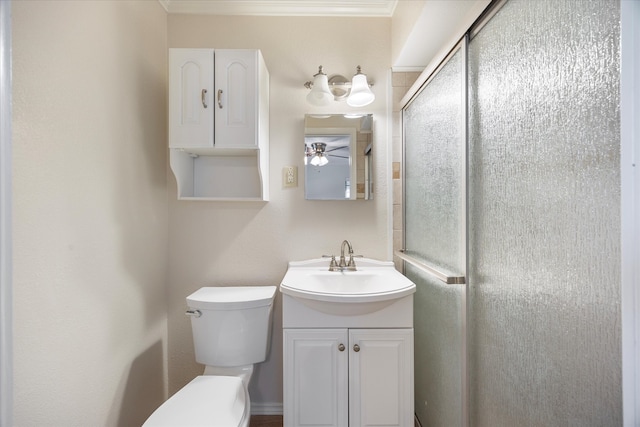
x=315 y=377
x=381 y=377
x=236 y=98
x=191 y=98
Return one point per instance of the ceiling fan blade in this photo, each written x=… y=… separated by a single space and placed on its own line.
x=336 y=148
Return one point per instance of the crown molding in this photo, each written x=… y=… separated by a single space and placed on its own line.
x=364 y=8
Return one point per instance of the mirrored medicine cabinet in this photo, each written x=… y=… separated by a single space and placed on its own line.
x=338 y=156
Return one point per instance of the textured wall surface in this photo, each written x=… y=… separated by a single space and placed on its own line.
x=90 y=211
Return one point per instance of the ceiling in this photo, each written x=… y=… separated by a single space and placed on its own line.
x=371 y=8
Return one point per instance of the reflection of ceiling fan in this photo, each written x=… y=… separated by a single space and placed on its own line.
x=318 y=153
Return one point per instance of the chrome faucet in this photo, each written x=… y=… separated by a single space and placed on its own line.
x=351 y=265
x=343 y=264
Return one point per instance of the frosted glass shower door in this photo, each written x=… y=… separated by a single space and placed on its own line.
x=434 y=204
x=544 y=216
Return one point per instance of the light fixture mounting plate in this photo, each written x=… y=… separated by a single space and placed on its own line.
x=340 y=86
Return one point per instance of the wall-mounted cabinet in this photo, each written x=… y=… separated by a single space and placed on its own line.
x=219 y=124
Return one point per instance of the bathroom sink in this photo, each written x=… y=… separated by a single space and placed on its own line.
x=373 y=286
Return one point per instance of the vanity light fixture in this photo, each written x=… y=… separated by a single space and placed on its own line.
x=320 y=93
x=361 y=94
x=357 y=92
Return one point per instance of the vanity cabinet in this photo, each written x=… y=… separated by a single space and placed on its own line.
x=348 y=377
x=219 y=123
x=316 y=377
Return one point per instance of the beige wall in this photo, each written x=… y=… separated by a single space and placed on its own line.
x=401 y=82
x=217 y=243
x=91 y=228
x=405 y=17
x=90 y=211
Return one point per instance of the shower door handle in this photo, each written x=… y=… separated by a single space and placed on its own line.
x=446 y=278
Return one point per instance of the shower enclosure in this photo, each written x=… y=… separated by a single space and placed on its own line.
x=512 y=186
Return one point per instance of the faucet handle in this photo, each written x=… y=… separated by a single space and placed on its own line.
x=333 y=265
x=352 y=264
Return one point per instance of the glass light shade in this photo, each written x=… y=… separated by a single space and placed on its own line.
x=319 y=160
x=361 y=94
x=320 y=93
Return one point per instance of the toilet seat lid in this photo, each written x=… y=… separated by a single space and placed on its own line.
x=212 y=401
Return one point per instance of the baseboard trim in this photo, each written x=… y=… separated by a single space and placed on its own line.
x=272 y=408
x=266 y=408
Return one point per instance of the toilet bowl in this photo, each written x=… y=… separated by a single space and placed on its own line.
x=231 y=332
x=205 y=401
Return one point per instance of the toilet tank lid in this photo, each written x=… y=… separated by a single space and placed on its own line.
x=231 y=297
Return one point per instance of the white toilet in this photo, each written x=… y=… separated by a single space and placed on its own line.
x=231 y=332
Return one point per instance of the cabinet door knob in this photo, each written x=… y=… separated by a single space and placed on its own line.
x=219 y=98
x=341 y=347
x=202 y=96
x=356 y=348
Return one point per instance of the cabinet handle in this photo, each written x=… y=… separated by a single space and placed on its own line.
x=202 y=96
x=356 y=348
x=341 y=347
x=219 y=98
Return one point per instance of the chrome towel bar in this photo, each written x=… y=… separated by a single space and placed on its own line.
x=449 y=280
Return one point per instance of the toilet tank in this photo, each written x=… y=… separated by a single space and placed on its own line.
x=234 y=325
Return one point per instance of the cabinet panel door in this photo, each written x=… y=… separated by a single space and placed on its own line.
x=190 y=98
x=381 y=377
x=236 y=98
x=315 y=378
